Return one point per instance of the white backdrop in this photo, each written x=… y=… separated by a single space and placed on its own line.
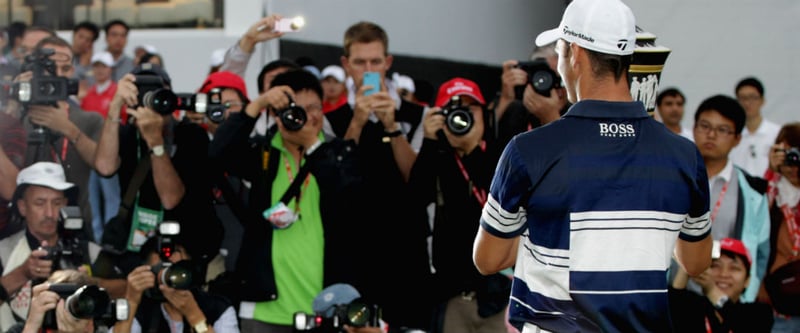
x=714 y=42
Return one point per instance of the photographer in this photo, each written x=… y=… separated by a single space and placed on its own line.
x=70 y=133
x=519 y=106
x=453 y=171
x=173 y=183
x=176 y=309
x=30 y=255
x=44 y=300
x=295 y=256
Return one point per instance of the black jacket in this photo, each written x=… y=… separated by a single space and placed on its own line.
x=332 y=164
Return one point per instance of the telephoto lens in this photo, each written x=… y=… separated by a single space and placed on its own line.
x=179 y=275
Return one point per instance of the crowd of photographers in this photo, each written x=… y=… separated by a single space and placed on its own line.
x=130 y=207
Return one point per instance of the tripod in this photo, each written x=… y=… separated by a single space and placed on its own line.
x=40 y=140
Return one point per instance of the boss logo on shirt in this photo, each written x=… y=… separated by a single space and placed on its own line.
x=616 y=130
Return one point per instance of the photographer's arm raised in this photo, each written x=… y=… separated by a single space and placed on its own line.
x=107 y=159
x=57 y=119
x=238 y=56
x=8 y=176
x=169 y=186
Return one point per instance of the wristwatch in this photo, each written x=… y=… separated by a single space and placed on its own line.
x=157 y=151
x=200 y=327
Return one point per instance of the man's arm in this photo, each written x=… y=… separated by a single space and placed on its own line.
x=238 y=56
x=107 y=159
x=492 y=254
x=57 y=119
x=694 y=257
x=8 y=176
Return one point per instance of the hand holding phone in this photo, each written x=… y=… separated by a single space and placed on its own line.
x=372 y=79
x=289 y=24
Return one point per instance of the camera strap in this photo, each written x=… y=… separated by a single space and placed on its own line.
x=294 y=188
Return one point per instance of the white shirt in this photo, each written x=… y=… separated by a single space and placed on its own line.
x=752 y=153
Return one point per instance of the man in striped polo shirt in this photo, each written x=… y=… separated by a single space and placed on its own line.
x=590 y=208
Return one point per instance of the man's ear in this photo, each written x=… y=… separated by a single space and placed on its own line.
x=22 y=208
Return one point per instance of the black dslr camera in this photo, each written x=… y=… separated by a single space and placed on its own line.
x=458 y=117
x=293 y=117
x=792 y=157
x=86 y=302
x=541 y=78
x=45 y=87
x=183 y=275
x=356 y=314
x=154 y=94
x=70 y=248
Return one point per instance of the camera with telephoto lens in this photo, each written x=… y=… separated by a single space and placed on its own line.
x=44 y=87
x=541 y=78
x=154 y=94
x=356 y=314
x=293 y=117
x=86 y=302
x=182 y=275
x=458 y=117
x=70 y=247
x=792 y=157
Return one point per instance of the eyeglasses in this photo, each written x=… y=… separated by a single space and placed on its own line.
x=706 y=128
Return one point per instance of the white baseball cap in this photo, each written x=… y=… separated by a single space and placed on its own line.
x=46 y=174
x=403 y=82
x=605 y=26
x=336 y=72
x=104 y=58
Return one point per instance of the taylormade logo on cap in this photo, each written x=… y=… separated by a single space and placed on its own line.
x=578 y=34
x=605 y=26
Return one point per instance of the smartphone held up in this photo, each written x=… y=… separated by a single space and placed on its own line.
x=292 y=24
x=372 y=79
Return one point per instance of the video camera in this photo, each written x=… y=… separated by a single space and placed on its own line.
x=45 y=87
x=293 y=117
x=458 y=117
x=356 y=314
x=87 y=302
x=541 y=78
x=154 y=94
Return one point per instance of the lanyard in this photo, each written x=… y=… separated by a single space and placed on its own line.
x=790 y=215
x=291 y=180
x=719 y=200
x=480 y=194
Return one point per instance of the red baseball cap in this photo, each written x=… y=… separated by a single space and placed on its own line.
x=735 y=246
x=458 y=86
x=224 y=79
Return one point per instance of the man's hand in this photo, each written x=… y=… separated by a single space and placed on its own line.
x=54 y=118
x=432 y=122
x=511 y=77
x=544 y=107
x=139 y=279
x=35 y=266
x=184 y=301
x=43 y=300
x=777 y=155
x=127 y=95
x=262 y=30
x=384 y=107
x=150 y=125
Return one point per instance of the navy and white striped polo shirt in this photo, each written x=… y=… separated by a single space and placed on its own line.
x=600 y=197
